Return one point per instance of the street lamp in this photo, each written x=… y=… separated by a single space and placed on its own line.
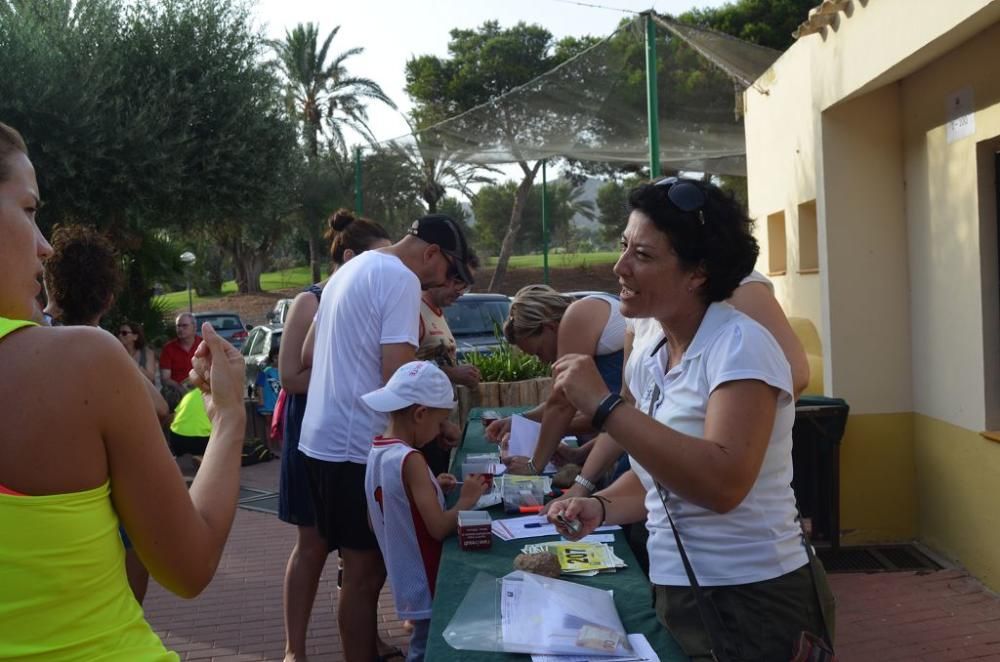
x=189 y=258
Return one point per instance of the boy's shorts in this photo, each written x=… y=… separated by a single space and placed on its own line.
x=338 y=495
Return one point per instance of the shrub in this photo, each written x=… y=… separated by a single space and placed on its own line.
x=507 y=363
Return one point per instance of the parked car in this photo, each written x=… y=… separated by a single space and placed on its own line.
x=227 y=324
x=473 y=319
x=257 y=348
x=586 y=293
x=279 y=313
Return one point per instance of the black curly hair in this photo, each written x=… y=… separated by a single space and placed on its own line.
x=716 y=238
x=83 y=274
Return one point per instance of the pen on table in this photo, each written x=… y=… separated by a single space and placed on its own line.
x=535 y=525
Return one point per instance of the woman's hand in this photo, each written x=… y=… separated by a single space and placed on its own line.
x=575 y=491
x=497 y=429
x=518 y=464
x=218 y=370
x=566 y=454
x=587 y=511
x=576 y=378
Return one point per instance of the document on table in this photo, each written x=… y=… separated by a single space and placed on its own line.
x=551 y=616
x=532 y=526
x=643 y=653
x=524 y=438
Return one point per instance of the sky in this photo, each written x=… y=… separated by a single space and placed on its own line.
x=393 y=31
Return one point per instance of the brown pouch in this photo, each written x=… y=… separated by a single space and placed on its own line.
x=812 y=649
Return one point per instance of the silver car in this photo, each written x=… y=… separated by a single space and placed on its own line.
x=226 y=324
x=258 y=346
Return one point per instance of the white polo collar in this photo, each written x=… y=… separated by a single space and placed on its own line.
x=716 y=316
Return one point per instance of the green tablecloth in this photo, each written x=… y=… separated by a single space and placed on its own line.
x=458 y=569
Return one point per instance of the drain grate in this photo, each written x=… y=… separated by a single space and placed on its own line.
x=251 y=493
x=268 y=503
x=876 y=558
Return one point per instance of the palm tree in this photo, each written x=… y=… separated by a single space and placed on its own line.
x=325 y=98
x=323 y=94
x=438 y=172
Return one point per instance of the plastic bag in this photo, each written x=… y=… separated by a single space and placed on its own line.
x=525 y=613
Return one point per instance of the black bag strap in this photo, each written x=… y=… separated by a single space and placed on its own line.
x=709 y=617
x=706 y=610
x=811 y=555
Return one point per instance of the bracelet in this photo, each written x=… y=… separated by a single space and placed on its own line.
x=531 y=466
x=608 y=404
x=586 y=484
x=604 y=511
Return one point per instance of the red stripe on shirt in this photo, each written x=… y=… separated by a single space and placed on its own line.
x=430 y=547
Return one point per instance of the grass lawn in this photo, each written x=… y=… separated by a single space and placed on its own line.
x=274 y=280
x=559 y=260
x=300 y=276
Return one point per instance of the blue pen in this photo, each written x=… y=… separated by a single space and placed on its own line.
x=535 y=525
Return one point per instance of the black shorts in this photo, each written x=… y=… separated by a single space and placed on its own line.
x=338 y=496
x=181 y=445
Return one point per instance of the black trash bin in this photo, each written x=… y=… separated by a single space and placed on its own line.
x=819 y=429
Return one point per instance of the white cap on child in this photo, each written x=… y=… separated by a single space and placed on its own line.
x=414 y=383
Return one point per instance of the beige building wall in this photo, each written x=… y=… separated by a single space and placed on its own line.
x=907 y=298
x=945 y=250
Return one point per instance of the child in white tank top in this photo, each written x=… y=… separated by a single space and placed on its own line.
x=405 y=501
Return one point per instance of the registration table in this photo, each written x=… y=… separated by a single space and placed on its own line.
x=459 y=569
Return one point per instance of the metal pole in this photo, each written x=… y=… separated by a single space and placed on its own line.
x=545 y=223
x=190 y=299
x=652 y=101
x=359 y=203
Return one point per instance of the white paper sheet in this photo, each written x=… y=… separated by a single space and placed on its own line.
x=539 y=614
x=643 y=653
x=532 y=526
x=524 y=438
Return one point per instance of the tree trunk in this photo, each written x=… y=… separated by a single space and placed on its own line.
x=316 y=254
x=248 y=262
x=520 y=200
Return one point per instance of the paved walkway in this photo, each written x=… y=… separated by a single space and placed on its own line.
x=938 y=617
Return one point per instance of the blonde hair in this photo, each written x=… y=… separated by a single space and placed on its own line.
x=11 y=142
x=532 y=308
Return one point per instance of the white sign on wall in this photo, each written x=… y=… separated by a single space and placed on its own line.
x=961 y=114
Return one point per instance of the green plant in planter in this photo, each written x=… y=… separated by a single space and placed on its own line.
x=507 y=363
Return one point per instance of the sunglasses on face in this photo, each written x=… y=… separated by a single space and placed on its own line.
x=685 y=195
x=452 y=274
x=126 y=332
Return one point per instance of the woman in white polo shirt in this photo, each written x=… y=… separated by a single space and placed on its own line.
x=710 y=436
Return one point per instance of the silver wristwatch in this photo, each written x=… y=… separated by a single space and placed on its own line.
x=587 y=485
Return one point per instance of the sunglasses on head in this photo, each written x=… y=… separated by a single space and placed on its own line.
x=685 y=195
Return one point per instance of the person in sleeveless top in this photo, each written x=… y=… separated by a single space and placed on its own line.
x=349 y=236
x=84 y=452
x=133 y=339
x=547 y=324
x=405 y=501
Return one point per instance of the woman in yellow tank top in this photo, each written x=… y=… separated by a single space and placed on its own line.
x=81 y=450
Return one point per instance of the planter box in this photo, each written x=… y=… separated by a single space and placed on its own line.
x=527 y=393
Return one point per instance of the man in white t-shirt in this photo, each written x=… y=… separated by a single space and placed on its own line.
x=366 y=327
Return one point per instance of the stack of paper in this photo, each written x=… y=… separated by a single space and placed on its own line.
x=640 y=645
x=583 y=559
x=531 y=526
